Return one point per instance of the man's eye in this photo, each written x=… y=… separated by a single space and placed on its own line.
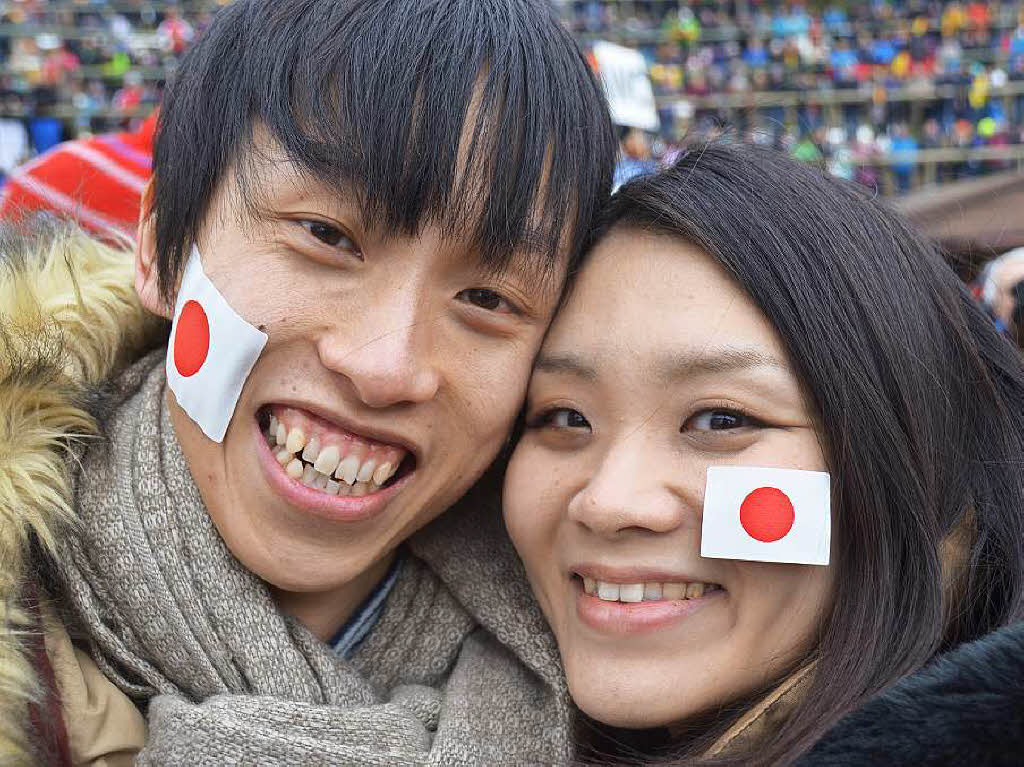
x=561 y=418
x=486 y=299
x=329 y=235
x=718 y=420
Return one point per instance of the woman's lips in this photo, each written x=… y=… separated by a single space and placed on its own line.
x=626 y=618
x=332 y=507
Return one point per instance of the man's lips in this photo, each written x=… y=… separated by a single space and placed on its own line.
x=326 y=457
x=317 y=414
x=330 y=498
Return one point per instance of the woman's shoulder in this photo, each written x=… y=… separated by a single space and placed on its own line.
x=103 y=726
x=966 y=707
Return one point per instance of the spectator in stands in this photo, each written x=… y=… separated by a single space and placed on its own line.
x=175 y=32
x=1000 y=288
x=635 y=157
x=14 y=144
x=904 y=147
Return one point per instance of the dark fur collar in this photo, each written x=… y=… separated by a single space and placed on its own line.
x=965 y=708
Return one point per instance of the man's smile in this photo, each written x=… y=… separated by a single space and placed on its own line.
x=319 y=463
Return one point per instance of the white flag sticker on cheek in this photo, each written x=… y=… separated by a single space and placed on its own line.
x=767 y=515
x=211 y=352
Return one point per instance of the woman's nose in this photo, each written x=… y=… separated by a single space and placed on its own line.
x=631 y=490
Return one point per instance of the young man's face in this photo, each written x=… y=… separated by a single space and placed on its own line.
x=400 y=357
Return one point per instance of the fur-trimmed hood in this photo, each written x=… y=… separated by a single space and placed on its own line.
x=965 y=707
x=69 y=318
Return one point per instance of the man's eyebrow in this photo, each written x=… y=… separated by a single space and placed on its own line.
x=532 y=272
x=531 y=248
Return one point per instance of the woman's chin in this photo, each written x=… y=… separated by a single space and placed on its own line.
x=624 y=703
x=614 y=713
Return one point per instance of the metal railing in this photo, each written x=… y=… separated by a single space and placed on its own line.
x=929 y=165
x=837 y=97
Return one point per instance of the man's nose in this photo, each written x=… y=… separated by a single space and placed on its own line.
x=388 y=354
x=628 y=492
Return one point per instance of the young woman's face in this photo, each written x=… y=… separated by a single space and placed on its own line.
x=658 y=367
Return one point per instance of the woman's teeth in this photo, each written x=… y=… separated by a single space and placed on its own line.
x=646 y=592
x=323 y=467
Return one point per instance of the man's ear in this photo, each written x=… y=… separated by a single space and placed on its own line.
x=147 y=281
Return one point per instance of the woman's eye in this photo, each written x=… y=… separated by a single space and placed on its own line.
x=486 y=299
x=329 y=235
x=718 y=420
x=562 y=418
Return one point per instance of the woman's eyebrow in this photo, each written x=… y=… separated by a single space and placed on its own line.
x=672 y=367
x=566 y=364
x=716 y=359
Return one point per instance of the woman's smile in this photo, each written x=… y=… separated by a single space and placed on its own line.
x=636 y=608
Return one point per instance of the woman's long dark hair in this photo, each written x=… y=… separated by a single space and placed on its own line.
x=920 y=403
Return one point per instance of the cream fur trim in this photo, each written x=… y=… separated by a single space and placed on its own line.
x=69 y=317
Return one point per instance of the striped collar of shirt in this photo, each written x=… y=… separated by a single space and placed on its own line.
x=348 y=638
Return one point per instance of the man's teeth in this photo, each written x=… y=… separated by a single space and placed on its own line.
x=348 y=469
x=366 y=471
x=311 y=451
x=323 y=468
x=294 y=469
x=328 y=460
x=646 y=592
x=296 y=441
x=383 y=473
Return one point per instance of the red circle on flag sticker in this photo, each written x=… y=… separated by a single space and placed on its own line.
x=191 y=339
x=767 y=514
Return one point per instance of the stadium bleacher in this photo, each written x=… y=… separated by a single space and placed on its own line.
x=895 y=94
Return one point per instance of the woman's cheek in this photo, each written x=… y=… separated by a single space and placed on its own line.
x=519 y=495
x=533 y=503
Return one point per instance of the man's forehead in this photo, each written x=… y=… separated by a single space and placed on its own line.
x=270 y=182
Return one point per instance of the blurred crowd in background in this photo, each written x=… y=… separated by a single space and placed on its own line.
x=896 y=95
x=73 y=69
x=852 y=83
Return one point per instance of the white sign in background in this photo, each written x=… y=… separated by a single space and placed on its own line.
x=627 y=85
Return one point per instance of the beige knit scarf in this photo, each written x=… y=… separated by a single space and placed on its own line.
x=460 y=669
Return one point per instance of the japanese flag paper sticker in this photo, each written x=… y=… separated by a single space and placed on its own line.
x=767 y=515
x=211 y=352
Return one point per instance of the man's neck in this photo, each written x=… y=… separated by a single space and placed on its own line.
x=325 y=612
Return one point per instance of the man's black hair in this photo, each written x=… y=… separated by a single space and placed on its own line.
x=371 y=97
